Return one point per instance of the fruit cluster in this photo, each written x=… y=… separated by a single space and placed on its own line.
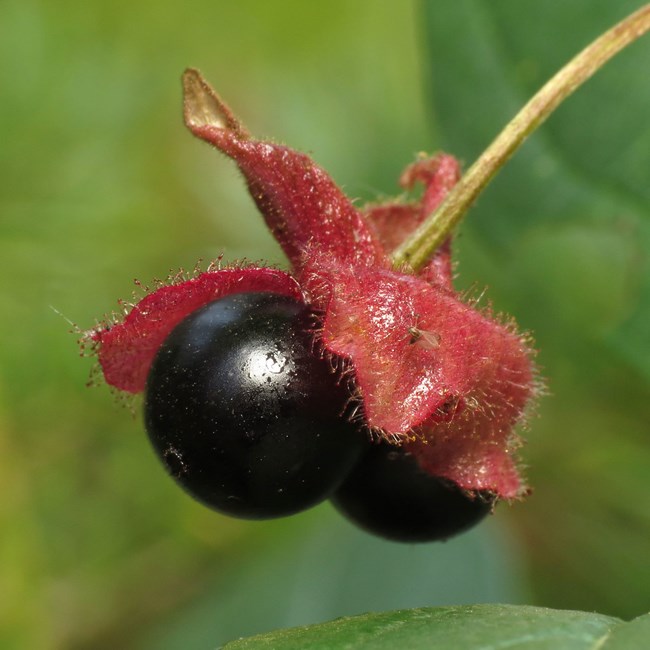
x=264 y=388
x=249 y=417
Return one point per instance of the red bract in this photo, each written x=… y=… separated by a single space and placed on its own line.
x=126 y=349
x=449 y=381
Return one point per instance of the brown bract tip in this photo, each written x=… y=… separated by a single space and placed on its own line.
x=203 y=107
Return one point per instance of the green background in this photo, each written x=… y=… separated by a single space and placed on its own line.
x=100 y=184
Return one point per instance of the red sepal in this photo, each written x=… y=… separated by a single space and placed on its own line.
x=430 y=368
x=303 y=207
x=126 y=349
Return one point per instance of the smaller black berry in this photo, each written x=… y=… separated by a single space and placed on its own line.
x=389 y=495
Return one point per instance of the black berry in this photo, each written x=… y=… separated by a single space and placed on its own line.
x=245 y=413
x=387 y=494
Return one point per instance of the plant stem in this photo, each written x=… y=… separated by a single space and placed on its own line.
x=421 y=245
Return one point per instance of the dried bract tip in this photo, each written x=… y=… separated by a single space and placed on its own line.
x=203 y=107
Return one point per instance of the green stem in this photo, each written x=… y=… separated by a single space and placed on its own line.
x=415 y=252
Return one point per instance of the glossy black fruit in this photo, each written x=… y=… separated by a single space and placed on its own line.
x=387 y=494
x=244 y=412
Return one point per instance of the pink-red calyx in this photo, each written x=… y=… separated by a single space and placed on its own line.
x=449 y=381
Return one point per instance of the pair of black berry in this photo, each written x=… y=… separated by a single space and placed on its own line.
x=250 y=419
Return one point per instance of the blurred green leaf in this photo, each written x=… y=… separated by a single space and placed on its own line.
x=562 y=239
x=461 y=628
x=579 y=187
x=630 y=636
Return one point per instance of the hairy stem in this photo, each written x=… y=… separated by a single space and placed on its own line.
x=422 y=244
